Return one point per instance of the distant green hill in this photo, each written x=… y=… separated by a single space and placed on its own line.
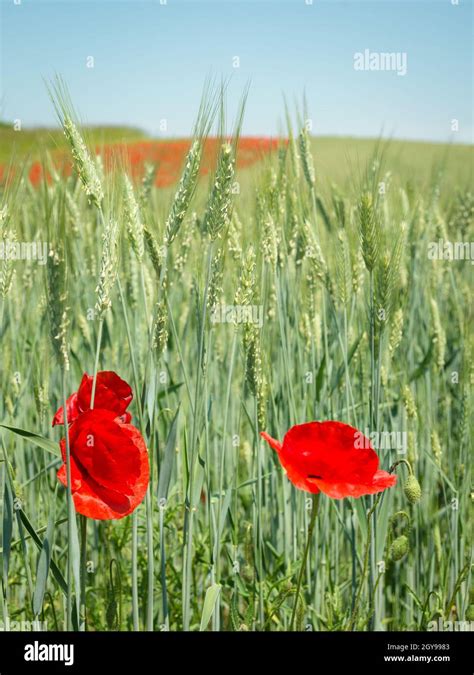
x=30 y=142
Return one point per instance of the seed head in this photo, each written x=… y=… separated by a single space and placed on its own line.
x=439 y=335
x=83 y=162
x=154 y=251
x=343 y=270
x=133 y=220
x=315 y=254
x=108 y=268
x=396 y=331
x=369 y=230
x=470 y=613
x=215 y=283
x=436 y=447
x=57 y=309
x=269 y=240
x=409 y=402
x=184 y=192
x=399 y=548
x=412 y=489
x=7 y=271
x=307 y=157
x=160 y=329
x=245 y=291
x=219 y=205
x=147 y=184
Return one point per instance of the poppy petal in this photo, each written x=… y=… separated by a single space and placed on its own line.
x=104 y=450
x=331 y=450
x=111 y=392
x=383 y=479
x=331 y=457
x=276 y=445
x=109 y=465
x=72 y=410
x=95 y=501
x=299 y=480
x=341 y=490
x=126 y=418
x=76 y=478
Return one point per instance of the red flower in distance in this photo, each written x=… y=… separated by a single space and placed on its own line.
x=325 y=457
x=109 y=465
x=111 y=393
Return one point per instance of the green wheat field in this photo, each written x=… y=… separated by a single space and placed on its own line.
x=323 y=247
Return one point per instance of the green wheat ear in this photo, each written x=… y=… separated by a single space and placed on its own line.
x=7 y=270
x=409 y=402
x=306 y=157
x=396 y=331
x=160 y=329
x=83 y=163
x=246 y=289
x=219 y=205
x=439 y=335
x=154 y=251
x=108 y=267
x=343 y=270
x=270 y=240
x=234 y=237
x=215 y=283
x=254 y=372
x=133 y=219
x=436 y=447
x=85 y=166
x=369 y=230
x=185 y=191
x=147 y=184
x=57 y=306
x=188 y=183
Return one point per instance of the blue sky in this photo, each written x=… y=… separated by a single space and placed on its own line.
x=151 y=60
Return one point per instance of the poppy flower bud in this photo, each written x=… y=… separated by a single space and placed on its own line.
x=399 y=548
x=412 y=489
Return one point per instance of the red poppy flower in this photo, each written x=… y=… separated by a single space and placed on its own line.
x=111 y=393
x=325 y=457
x=109 y=465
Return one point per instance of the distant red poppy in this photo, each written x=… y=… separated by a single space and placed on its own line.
x=325 y=457
x=109 y=465
x=167 y=155
x=111 y=393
